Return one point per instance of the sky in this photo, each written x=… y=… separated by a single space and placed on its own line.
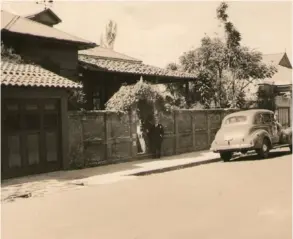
x=159 y=32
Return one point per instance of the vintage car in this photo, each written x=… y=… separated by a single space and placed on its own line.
x=248 y=130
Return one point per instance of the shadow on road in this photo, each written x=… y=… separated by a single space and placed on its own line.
x=254 y=157
x=79 y=174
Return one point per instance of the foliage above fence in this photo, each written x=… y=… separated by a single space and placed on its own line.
x=128 y=97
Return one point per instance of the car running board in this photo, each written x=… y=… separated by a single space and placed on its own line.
x=277 y=146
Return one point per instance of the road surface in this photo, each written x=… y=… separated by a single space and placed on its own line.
x=241 y=199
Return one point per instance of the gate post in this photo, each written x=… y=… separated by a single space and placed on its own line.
x=208 y=128
x=176 y=132
x=107 y=136
x=193 y=128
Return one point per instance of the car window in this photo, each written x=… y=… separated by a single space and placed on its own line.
x=263 y=118
x=258 y=119
x=236 y=119
x=267 y=118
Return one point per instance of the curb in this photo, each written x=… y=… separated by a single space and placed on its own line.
x=176 y=167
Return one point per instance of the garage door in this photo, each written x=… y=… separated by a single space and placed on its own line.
x=30 y=137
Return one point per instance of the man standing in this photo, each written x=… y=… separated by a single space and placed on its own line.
x=156 y=138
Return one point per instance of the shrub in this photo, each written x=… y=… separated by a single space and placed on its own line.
x=129 y=96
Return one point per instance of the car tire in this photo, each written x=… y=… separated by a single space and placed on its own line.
x=244 y=151
x=263 y=152
x=226 y=156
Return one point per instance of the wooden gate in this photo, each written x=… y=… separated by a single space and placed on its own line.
x=284 y=116
x=31 y=136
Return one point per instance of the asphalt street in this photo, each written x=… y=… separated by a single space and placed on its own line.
x=245 y=198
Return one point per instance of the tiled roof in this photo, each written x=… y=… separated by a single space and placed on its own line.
x=283 y=76
x=107 y=53
x=123 y=66
x=281 y=59
x=15 y=74
x=17 y=24
x=272 y=58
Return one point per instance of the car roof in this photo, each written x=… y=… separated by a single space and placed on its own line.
x=251 y=112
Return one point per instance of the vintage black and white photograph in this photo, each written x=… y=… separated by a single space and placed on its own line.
x=146 y=119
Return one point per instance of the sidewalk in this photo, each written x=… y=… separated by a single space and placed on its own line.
x=40 y=185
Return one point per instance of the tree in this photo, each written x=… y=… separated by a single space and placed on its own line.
x=173 y=66
x=109 y=38
x=8 y=54
x=224 y=67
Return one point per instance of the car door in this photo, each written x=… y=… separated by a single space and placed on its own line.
x=268 y=122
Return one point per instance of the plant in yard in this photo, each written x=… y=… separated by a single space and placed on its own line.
x=129 y=96
x=8 y=54
x=76 y=99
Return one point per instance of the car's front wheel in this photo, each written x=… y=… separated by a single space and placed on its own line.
x=226 y=156
x=263 y=152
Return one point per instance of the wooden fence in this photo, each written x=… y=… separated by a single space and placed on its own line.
x=103 y=137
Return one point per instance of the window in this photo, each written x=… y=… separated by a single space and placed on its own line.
x=32 y=121
x=14 y=154
x=236 y=119
x=31 y=106
x=264 y=118
x=50 y=106
x=96 y=101
x=11 y=116
x=50 y=121
x=267 y=118
x=12 y=107
x=33 y=148
x=12 y=122
x=51 y=146
x=258 y=119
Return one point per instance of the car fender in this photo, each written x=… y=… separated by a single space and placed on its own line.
x=287 y=135
x=258 y=136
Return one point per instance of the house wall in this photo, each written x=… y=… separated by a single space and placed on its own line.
x=103 y=83
x=66 y=57
x=101 y=137
x=61 y=57
x=284 y=110
x=106 y=84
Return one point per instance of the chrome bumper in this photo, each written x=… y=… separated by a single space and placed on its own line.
x=234 y=147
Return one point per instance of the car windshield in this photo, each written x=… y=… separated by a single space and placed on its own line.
x=236 y=119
